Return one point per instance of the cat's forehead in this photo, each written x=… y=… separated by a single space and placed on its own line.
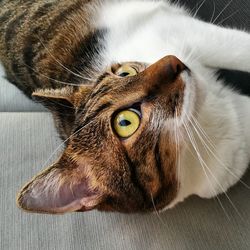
x=123 y=85
x=110 y=89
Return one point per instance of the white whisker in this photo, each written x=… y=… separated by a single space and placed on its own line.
x=197 y=10
x=212 y=17
x=211 y=173
x=52 y=79
x=177 y=148
x=62 y=144
x=193 y=143
x=197 y=126
x=226 y=18
x=156 y=212
x=67 y=69
x=226 y=6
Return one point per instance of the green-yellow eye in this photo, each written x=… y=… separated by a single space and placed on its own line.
x=126 y=123
x=126 y=70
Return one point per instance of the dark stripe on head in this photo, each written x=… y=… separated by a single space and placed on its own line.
x=158 y=160
x=93 y=115
x=168 y=189
x=135 y=181
x=100 y=92
x=102 y=107
x=101 y=78
x=158 y=164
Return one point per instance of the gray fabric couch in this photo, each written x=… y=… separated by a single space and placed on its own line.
x=27 y=140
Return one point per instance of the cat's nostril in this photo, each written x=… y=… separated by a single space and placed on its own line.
x=178 y=69
x=174 y=69
x=177 y=66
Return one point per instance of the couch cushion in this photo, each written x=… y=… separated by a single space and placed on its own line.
x=28 y=139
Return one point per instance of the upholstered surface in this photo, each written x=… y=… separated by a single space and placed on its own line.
x=12 y=99
x=27 y=140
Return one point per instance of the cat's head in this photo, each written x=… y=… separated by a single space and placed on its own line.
x=121 y=150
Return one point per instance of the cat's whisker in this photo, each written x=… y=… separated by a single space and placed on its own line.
x=177 y=142
x=213 y=176
x=60 y=104
x=191 y=57
x=49 y=78
x=82 y=74
x=214 y=8
x=203 y=131
x=184 y=50
x=197 y=126
x=197 y=10
x=62 y=144
x=64 y=67
x=222 y=11
x=156 y=211
x=194 y=145
x=226 y=18
x=176 y=147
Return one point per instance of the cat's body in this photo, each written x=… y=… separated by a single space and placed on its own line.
x=201 y=148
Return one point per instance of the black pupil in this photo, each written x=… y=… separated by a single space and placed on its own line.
x=123 y=74
x=124 y=123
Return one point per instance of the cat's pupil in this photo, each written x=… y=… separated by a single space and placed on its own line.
x=124 y=123
x=123 y=74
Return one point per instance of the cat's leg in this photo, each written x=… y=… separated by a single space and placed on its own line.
x=219 y=47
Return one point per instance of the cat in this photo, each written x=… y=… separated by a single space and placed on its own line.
x=133 y=91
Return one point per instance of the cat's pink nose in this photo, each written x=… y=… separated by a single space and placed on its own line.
x=164 y=71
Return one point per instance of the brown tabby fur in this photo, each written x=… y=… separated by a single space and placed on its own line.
x=136 y=174
x=32 y=31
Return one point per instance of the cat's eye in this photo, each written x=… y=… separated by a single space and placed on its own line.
x=127 y=122
x=126 y=70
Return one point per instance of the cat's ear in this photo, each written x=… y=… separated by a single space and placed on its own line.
x=66 y=186
x=62 y=103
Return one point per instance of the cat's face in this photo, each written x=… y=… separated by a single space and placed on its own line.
x=121 y=153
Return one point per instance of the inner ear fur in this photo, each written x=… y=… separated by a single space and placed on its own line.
x=62 y=103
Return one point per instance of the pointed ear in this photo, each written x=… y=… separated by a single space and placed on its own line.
x=63 y=187
x=62 y=103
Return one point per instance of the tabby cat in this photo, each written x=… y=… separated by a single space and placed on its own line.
x=134 y=95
